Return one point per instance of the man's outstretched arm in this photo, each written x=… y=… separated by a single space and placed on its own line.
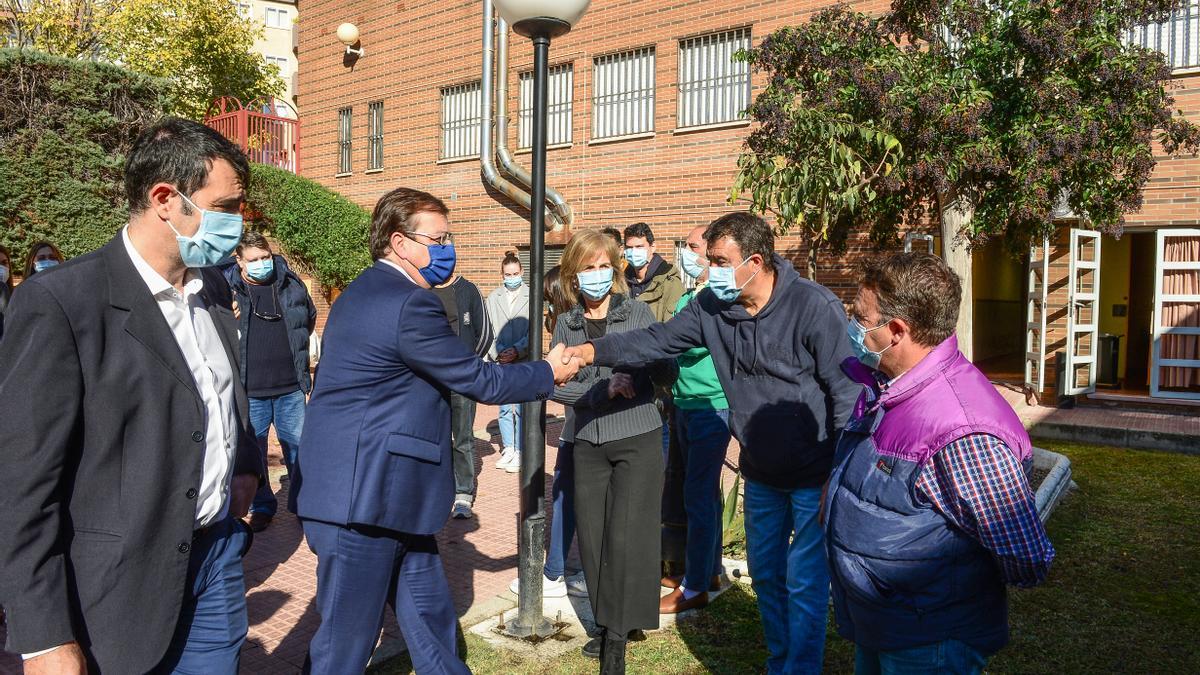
x=644 y=346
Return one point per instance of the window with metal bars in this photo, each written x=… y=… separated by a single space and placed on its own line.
x=461 y=117
x=713 y=88
x=623 y=104
x=375 y=135
x=558 y=119
x=1178 y=37
x=344 y=140
x=551 y=257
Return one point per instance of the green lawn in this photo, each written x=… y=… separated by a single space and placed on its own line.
x=1123 y=596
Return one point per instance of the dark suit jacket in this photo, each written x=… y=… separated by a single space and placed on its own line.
x=376 y=443
x=101 y=435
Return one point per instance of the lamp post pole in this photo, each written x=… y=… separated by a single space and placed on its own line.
x=532 y=545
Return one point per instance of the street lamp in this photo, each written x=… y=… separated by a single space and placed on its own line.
x=347 y=34
x=540 y=21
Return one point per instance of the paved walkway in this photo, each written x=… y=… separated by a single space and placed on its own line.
x=479 y=557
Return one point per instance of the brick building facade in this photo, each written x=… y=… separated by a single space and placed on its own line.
x=388 y=119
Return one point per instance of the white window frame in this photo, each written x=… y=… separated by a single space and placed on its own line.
x=283 y=62
x=1038 y=275
x=559 y=117
x=624 y=86
x=1077 y=299
x=1178 y=37
x=282 y=15
x=1157 y=362
x=462 y=115
x=713 y=87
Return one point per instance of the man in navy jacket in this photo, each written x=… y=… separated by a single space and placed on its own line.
x=374 y=473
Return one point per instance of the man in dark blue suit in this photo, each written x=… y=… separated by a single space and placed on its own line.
x=375 y=478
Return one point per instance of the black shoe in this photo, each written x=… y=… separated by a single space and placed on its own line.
x=259 y=522
x=593 y=646
x=612 y=656
x=636 y=635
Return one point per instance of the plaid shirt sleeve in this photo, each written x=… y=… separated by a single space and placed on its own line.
x=978 y=484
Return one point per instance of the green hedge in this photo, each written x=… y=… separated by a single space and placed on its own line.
x=65 y=126
x=325 y=231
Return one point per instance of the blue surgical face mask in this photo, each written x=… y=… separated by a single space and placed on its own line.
x=723 y=283
x=442 y=260
x=637 y=257
x=690 y=262
x=260 y=270
x=3 y=274
x=512 y=283
x=216 y=238
x=858 y=336
x=596 y=284
x=43 y=265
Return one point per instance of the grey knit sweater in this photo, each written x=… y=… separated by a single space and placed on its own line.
x=599 y=419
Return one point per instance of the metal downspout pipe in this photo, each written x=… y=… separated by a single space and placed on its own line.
x=564 y=217
x=486 y=146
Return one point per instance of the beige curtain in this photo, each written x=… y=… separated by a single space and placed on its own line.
x=1179 y=314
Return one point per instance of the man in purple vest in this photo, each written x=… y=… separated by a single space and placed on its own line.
x=928 y=511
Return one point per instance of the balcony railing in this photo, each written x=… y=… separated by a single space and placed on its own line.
x=268 y=131
x=1178 y=37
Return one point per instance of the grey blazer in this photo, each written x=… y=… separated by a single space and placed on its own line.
x=598 y=418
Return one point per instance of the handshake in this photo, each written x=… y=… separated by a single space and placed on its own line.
x=566 y=361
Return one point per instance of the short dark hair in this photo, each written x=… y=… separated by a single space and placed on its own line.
x=615 y=234
x=639 y=230
x=252 y=239
x=919 y=288
x=751 y=233
x=180 y=152
x=393 y=213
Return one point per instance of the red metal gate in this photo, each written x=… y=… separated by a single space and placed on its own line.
x=267 y=130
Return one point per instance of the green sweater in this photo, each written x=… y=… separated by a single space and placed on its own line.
x=697 y=387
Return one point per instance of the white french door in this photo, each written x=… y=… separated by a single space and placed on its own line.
x=1083 y=311
x=1175 y=360
x=1035 y=320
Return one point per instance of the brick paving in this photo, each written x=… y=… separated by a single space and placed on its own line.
x=479 y=555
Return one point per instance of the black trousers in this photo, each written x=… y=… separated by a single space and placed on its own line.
x=462 y=438
x=618 y=509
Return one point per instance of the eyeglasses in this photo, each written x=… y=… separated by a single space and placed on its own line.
x=446 y=239
x=274 y=316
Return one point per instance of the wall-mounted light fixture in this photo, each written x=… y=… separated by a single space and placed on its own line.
x=348 y=34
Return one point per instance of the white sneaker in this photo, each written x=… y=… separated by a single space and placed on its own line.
x=506 y=456
x=550 y=589
x=576 y=585
x=462 y=510
x=514 y=466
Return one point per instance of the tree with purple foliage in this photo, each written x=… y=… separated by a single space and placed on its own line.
x=1003 y=109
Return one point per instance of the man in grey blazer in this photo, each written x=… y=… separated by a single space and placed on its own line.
x=124 y=444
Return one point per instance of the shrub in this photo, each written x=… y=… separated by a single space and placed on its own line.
x=325 y=231
x=65 y=126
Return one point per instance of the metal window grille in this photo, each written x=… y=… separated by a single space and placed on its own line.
x=1178 y=37
x=558 y=118
x=461 y=117
x=375 y=135
x=713 y=88
x=551 y=257
x=624 y=94
x=344 y=140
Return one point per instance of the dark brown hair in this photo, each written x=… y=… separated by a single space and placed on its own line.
x=557 y=297
x=33 y=252
x=11 y=272
x=510 y=257
x=919 y=288
x=394 y=212
x=252 y=239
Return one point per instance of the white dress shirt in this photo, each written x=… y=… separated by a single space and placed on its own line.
x=187 y=315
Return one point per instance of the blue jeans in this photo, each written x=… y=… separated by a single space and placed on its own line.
x=562 y=524
x=704 y=439
x=950 y=657
x=286 y=412
x=790 y=579
x=213 y=621
x=510 y=425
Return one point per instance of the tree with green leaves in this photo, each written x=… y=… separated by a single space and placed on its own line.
x=1004 y=109
x=204 y=47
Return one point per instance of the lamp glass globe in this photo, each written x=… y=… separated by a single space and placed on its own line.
x=567 y=11
x=347 y=33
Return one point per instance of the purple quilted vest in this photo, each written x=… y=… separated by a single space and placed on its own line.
x=942 y=399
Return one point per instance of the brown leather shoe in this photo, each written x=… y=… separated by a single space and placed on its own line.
x=259 y=522
x=674 y=602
